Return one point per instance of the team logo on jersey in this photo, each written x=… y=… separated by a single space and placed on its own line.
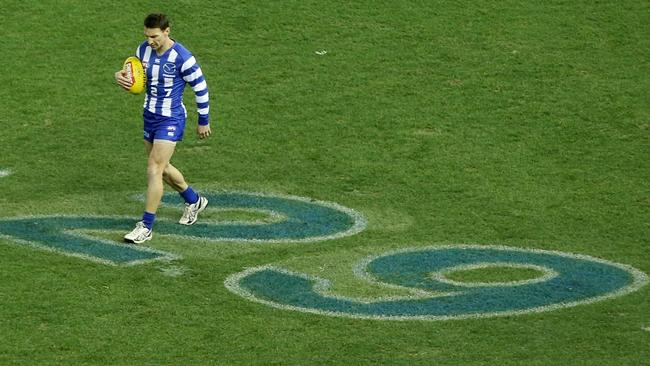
x=169 y=68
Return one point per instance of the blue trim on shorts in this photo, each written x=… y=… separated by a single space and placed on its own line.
x=157 y=127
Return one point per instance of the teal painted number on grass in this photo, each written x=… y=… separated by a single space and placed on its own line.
x=294 y=219
x=565 y=280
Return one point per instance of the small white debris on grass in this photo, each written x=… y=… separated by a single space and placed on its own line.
x=4 y=172
x=321 y=52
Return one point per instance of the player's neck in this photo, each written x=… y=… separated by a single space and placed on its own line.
x=169 y=44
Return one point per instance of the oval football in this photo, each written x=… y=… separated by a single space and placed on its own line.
x=135 y=72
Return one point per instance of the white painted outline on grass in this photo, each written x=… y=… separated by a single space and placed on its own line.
x=321 y=285
x=359 y=225
x=441 y=276
x=165 y=256
x=272 y=216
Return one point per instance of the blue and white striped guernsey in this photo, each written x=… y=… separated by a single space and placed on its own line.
x=167 y=75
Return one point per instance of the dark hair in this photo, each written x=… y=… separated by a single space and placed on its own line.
x=156 y=20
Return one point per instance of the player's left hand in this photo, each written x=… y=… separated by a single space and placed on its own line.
x=204 y=131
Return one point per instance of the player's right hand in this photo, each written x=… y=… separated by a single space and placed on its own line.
x=123 y=80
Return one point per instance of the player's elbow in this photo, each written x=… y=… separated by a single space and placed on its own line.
x=200 y=87
x=203 y=98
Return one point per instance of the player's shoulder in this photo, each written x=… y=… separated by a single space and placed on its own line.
x=143 y=46
x=139 y=53
x=183 y=53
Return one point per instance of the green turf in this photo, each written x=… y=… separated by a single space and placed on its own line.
x=510 y=123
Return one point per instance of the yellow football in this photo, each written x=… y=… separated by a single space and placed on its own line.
x=135 y=72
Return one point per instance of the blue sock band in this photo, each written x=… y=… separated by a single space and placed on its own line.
x=190 y=196
x=148 y=219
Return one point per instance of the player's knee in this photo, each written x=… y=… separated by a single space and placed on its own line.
x=155 y=169
x=167 y=172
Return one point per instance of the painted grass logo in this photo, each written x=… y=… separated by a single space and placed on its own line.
x=296 y=219
x=559 y=279
x=565 y=280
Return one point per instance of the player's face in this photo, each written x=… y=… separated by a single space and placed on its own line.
x=156 y=37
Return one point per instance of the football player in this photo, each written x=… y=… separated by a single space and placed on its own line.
x=169 y=67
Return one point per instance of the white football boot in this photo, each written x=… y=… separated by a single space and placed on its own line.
x=191 y=213
x=139 y=235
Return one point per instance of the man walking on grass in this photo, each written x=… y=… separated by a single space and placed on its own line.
x=169 y=67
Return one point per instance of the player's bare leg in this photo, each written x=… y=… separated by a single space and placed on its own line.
x=160 y=152
x=172 y=176
x=159 y=156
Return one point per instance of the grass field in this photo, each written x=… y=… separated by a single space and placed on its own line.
x=494 y=123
